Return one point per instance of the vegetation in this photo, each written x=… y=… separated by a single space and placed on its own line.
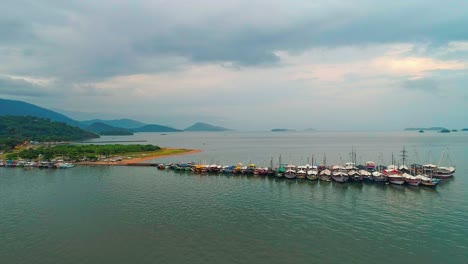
x=19 y=108
x=14 y=130
x=79 y=152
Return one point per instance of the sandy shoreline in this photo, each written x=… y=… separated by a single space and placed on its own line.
x=138 y=160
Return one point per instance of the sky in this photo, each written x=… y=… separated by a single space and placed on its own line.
x=245 y=65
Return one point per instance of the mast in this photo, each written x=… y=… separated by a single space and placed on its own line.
x=403 y=155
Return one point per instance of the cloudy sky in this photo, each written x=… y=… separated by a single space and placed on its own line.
x=246 y=64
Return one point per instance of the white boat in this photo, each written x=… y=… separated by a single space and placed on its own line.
x=290 y=171
x=313 y=174
x=444 y=172
x=427 y=181
x=365 y=175
x=411 y=180
x=441 y=171
x=325 y=175
x=377 y=176
x=354 y=175
x=301 y=172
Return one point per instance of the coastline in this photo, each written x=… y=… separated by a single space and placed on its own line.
x=140 y=160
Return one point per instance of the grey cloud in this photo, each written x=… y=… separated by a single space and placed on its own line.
x=427 y=85
x=85 y=41
x=17 y=87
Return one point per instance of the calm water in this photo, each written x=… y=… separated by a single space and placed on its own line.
x=142 y=215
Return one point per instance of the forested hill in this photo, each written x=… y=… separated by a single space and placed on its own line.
x=17 y=129
x=19 y=108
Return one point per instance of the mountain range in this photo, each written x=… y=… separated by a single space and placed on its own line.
x=99 y=126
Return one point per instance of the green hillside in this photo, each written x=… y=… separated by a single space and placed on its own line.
x=19 y=108
x=17 y=129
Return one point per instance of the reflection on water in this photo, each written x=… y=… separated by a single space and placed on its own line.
x=143 y=215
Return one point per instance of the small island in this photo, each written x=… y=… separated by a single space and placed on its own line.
x=445 y=131
x=425 y=128
x=465 y=129
x=281 y=130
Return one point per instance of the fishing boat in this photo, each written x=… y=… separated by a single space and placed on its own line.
x=301 y=172
x=280 y=171
x=339 y=174
x=365 y=175
x=377 y=176
x=354 y=176
x=427 y=181
x=290 y=172
x=394 y=176
x=238 y=168
x=313 y=173
x=370 y=166
x=411 y=180
x=325 y=175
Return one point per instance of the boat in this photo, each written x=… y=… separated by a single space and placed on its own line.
x=370 y=166
x=339 y=174
x=377 y=176
x=290 y=172
x=411 y=180
x=280 y=171
x=444 y=172
x=313 y=173
x=301 y=172
x=365 y=175
x=427 y=181
x=325 y=175
x=393 y=175
x=355 y=176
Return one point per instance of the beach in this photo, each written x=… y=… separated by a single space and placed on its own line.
x=142 y=158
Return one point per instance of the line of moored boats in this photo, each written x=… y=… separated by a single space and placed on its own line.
x=414 y=175
x=54 y=164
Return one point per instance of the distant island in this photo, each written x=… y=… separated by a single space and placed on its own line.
x=108 y=130
x=281 y=130
x=310 y=129
x=205 y=127
x=119 y=123
x=428 y=129
x=156 y=128
x=465 y=129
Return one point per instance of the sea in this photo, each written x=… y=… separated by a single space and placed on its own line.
x=113 y=214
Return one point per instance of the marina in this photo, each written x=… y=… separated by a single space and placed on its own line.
x=429 y=175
